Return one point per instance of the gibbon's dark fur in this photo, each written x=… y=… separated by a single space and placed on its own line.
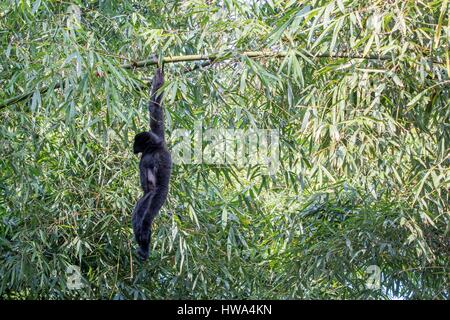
x=154 y=169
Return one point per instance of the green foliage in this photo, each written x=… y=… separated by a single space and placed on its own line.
x=364 y=174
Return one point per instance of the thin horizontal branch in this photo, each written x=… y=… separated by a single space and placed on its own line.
x=26 y=96
x=195 y=57
x=199 y=57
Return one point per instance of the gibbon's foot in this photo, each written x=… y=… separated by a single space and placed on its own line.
x=144 y=245
x=142 y=254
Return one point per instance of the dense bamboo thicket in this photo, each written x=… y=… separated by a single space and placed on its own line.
x=359 y=91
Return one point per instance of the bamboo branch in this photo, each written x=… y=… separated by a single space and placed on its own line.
x=199 y=57
x=210 y=59
x=26 y=96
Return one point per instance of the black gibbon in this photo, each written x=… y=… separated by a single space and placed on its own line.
x=155 y=167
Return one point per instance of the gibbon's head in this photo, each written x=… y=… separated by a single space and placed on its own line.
x=146 y=141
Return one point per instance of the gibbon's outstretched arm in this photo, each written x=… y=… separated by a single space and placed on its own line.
x=155 y=104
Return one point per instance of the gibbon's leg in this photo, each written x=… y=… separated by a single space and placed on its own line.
x=141 y=235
